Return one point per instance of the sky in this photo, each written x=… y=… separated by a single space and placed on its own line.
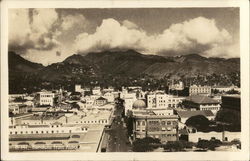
x=50 y=35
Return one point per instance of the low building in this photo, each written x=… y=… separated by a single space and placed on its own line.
x=101 y=101
x=200 y=90
x=109 y=96
x=202 y=103
x=226 y=88
x=185 y=115
x=222 y=136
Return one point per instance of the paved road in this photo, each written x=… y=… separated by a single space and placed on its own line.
x=118 y=141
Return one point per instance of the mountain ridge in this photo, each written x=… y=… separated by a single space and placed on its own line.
x=127 y=63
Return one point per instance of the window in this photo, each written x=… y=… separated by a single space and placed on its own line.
x=169 y=123
x=10 y=132
x=163 y=122
x=37 y=132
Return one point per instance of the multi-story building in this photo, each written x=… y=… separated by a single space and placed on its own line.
x=96 y=91
x=129 y=99
x=201 y=103
x=109 y=96
x=199 y=90
x=153 y=123
x=46 y=98
x=179 y=86
x=162 y=100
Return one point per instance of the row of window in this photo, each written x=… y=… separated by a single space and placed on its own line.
x=47 y=100
x=44 y=132
x=77 y=122
x=157 y=136
x=46 y=95
x=211 y=108
x=156 y=123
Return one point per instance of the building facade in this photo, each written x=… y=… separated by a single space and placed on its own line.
x=202 y=103
x=46 y=98
x=199 y=90
x=163 y=127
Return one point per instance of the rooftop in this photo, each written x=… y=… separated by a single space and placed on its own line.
x=201 y=99
x=187 y=114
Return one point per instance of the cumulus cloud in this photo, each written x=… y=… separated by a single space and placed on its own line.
x=108 y=36
x=32 y=29
x=71 y=21
x=129 y=24
x=198 y=35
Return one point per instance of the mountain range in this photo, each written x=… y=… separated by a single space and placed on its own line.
x=123 y=63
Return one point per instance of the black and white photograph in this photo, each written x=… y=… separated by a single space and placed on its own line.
x=133 y=80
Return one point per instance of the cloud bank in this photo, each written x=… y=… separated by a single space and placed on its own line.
x=32 y=29
x=47 y=36
x=199 y=35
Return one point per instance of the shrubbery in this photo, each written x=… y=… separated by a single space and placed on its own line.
x=208 y=144
x=177 y=145
x=146 y=144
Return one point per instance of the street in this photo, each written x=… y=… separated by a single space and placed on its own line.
x=118 y=141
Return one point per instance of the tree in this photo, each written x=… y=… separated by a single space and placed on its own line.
x=200 y=122
x=203 y=144
x=174 y=146
x=19 y=99
x=177 y=145
x=215 y=91
x=145 y=145
x=75 y=105
x=232 y=91
x=208 y=144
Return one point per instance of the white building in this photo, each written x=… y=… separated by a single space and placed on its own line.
x=202 y=103
x=78 y=88
x=46 y=98
x=96 y=91
x=226 y=88
x=162 y=100
x=222 y=136
x=129 y=99
x=109 y=96
x=46 y=129
x=199 y=90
